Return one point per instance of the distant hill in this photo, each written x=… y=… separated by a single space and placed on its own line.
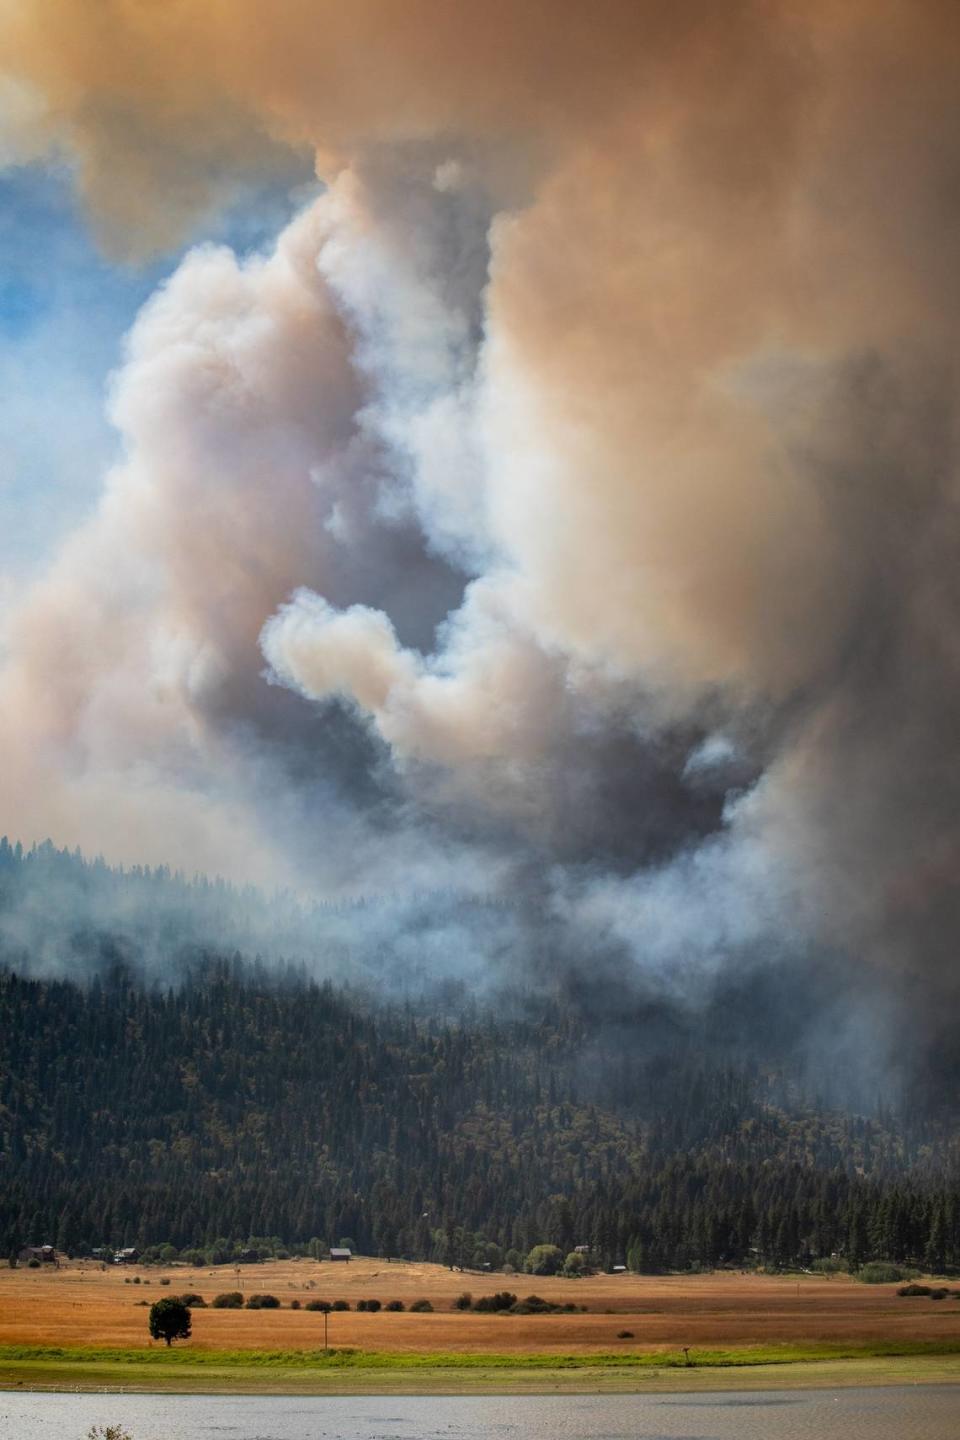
x=237 y=1102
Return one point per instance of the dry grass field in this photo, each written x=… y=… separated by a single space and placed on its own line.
x=82 y=1304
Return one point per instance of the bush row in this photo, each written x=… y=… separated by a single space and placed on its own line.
x=233 y=1300
x=504 y=1302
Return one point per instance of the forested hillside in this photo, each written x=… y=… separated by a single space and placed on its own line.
x=238 y=1104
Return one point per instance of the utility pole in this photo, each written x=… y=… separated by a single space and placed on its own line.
x=326 y=1316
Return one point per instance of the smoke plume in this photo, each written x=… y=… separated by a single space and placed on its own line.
x=566 y=508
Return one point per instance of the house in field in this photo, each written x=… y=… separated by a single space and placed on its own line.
x=338 y=1253
x=43 y=1254
x=129 y=1256
x=581 y=1249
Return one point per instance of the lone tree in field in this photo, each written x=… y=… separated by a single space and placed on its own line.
x=169 y=1320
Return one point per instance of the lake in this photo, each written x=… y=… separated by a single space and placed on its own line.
x=930 y=1412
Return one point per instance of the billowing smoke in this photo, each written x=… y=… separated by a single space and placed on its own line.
x=567 y=508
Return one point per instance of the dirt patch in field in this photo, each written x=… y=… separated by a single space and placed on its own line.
x=81 y=1304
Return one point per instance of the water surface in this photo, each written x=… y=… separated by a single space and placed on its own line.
x=929 y=1412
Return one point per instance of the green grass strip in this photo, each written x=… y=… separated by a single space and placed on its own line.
x=385 y=1360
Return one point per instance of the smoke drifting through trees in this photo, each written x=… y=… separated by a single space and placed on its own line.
x=476 y=962
x=581 y=466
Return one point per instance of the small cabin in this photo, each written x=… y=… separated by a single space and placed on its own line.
x=44 y=1254
x=128 y=1256
x=581 y=1249
x=339 y=1253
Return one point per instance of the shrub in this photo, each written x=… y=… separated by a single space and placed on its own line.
x=318 y=1305
x=33 y=1264
x=370 y=1305
x=192 y=1301
x=263 y=1302
x=502 y=1300
x=532 y=1305
x=915 y=1290
x=341 y=1305
x=228 y=1300
x=422 y=1307
x=830 y=1265
x=394 y=1305
x=463 y=1301
x=136 y=1279
x=624 y=1334
x=881 y=1272
x=164 y=1279
x=294 y=1304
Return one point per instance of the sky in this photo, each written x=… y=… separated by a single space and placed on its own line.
x=507 y=450
x=64 y=310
